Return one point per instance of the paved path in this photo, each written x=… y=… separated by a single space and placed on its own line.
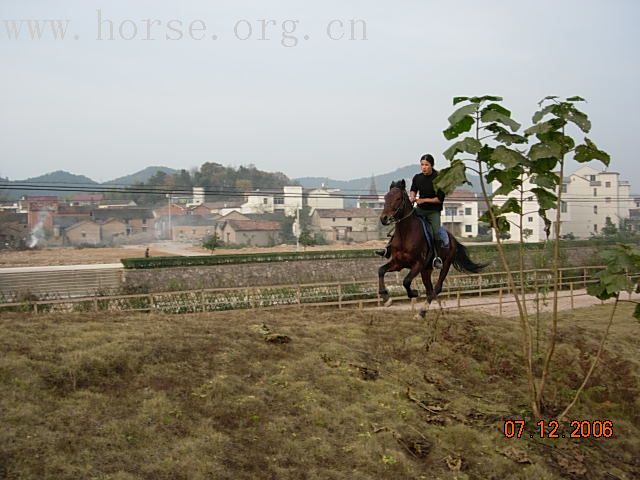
x=56 y=268
x=491 y=304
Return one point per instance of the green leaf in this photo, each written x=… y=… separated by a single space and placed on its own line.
x=451 y=177
x=540 y=114
x=547 y=181
x=490 y=98
x=579 y=119
x=468 y=144
x=550 y=97
x=462 y=112
x=565 y=141
x=599 y=291
x=489 y=116
x=544 y=166
x=550 y=125
x=509 y=180
x=496 y=107
x=576 y=99
x=545 y=150
x=547 y=223
x=546 y=199
x=511 y=205
x=502 y=223
x=508 y=157
x=457 y=100
x=503 y=135
x=589 y=151
x=462 y=126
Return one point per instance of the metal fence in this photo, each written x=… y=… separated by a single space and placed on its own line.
x=538 y=282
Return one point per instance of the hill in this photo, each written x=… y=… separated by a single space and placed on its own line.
x=142 y=176
x=59 y=177
x=361 y=185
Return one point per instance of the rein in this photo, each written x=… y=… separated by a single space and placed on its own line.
x=400 y=208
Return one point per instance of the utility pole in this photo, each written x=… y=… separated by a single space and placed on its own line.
x=297 y=233
x=169 y=200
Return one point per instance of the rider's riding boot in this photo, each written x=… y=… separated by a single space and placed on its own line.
x=441 y=251
x=386 y=251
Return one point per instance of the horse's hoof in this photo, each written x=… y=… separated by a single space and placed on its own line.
x=437 y=291
x=413 y=294
x=430 y=299
x=388 y=302
x=422 y=313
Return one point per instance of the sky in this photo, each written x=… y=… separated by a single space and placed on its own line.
x=313 y=102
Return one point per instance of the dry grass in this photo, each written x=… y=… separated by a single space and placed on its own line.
x=204 y=396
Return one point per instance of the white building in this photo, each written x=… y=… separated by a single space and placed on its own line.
x=592 y=197
x=460 y=214
x=258 y=202
x=589 y=198
x=289 y=201
x=325 y=198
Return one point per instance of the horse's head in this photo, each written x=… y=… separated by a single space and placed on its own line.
x=396 y=202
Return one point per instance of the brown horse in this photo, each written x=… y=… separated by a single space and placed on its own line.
x=409 y=248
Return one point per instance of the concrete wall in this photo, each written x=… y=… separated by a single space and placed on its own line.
x=316 y=271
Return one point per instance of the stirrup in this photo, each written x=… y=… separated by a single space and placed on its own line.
x=382 y=252
x=437 y=263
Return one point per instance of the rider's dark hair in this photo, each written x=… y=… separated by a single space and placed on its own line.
x=428 y=157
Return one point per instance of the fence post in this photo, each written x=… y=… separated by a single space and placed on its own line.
x=35 y=308
x=340 y=296
x=152 y=305
x=571 y=287
x=584 y=277
x=500 y=300
x=480 y=285
x=95 y=302
x=298 y=295
x=559 y=279
x=458 y=291
x=202 y=300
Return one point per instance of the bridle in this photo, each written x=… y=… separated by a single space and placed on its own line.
x=405 y=198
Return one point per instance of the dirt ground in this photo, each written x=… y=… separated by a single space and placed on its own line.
x=308 y=393
x=80 y=256
x=71 y=256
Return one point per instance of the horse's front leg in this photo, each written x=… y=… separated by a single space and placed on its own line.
x=390 y=266
x=406 y=283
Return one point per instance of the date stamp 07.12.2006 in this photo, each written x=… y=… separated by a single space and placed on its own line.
x=555 y=429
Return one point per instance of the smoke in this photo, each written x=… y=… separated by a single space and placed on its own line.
x=37 y=233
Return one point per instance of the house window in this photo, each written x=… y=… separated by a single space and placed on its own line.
x=84 y=234
x=564 y=188
x=595 y=209
x=460 y=212
x=607 y=200
x=563 y=207
x=608 y=220
x=607 y=184
x=595 y=192
x=193 y=231
x=348 y=219
x=450 y=211
x=467 y=211
x=278 y=200
x=265 y=201
x=333 y=219
x=592 y=178
x=595 y=227
x=144 y=229
x=467 y=228
x=530 y=219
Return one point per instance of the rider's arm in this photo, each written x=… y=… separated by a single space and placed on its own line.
x=412 y=196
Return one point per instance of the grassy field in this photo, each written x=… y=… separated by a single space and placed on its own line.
x=354 y=395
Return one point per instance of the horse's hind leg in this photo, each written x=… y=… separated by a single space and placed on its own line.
x=443 y=275
x=426 y=279
x=406 y=283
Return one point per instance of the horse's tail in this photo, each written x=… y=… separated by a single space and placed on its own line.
x=463 y=263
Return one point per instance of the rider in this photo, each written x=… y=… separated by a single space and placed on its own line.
x=428 y=206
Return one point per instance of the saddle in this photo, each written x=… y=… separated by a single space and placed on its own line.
x=428 y=235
